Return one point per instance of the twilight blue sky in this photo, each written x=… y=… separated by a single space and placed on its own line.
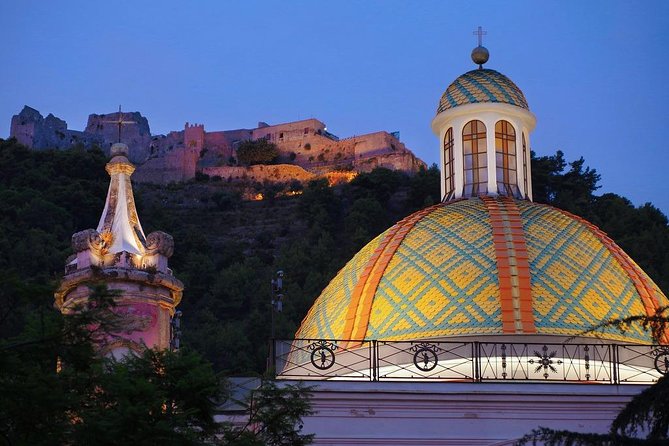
x=593 y=72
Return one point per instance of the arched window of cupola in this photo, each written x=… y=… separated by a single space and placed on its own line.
x=505 y=159
x=527 y=192
x=449 y=177
x=475 y=158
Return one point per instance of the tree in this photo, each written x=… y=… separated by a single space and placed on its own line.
x=572 y=190
x=425 y=189
x=259 y=151
x=275 y=417
x=57 y=389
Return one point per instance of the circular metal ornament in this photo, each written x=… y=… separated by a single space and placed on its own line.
x=662 y=362
x=425 y=359
x=480 y=55
x=322 y=357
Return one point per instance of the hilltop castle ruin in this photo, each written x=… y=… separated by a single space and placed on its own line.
x=177 y=156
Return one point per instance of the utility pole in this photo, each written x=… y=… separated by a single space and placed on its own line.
x=277 y=307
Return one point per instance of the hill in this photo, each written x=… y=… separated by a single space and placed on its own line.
x=228 y=249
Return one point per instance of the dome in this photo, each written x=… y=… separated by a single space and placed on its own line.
x=482 y=85
x=484 y=266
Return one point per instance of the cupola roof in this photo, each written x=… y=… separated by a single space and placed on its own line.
x=484 y=266
x=479 y=86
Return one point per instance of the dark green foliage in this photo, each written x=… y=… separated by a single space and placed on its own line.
x=278 y=410
x=550 y=437
x=201 y=177
x=45 y=197
x=227 y=199
x=380 y=183
x=571 y=190
x=156 y=397
x=647 y=413
x=95 y=400
x=425 y=189
x=259 y=151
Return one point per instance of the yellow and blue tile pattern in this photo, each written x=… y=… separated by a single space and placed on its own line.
x=442 y=280
x=327 y=316
x=482 y=86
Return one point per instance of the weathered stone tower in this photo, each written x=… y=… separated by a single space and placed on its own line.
x=194 y=136
x=119 y=255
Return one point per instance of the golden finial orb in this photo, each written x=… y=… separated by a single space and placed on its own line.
x=480 y=55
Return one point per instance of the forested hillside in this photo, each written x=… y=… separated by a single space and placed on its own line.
x=227 y=250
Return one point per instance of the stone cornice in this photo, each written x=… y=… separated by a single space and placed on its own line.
x=110 y=275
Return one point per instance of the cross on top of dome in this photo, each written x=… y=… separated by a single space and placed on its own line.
x=480 y=33
x=480 y=54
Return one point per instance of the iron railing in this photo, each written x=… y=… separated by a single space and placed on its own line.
x=371 y=360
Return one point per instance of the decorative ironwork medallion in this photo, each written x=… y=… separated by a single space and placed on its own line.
x=545 y=361
x=662 y=360
x=425 y=356
x=322 y=355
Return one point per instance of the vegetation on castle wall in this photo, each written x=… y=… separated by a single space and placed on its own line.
x=259 y=151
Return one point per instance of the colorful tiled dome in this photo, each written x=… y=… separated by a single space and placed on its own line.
x=482 y=85
x=484 y=266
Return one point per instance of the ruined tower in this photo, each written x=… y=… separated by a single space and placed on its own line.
x=119 y=255
x=194 y=136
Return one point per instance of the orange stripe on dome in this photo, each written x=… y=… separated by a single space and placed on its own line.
x=360 y=306
x=360 y=284
x=644 y=288
x=513 y=268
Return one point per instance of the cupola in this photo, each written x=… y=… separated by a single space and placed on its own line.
x=483 y=124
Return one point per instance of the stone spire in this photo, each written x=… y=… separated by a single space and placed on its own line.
x=119 y=225
x=118 y=254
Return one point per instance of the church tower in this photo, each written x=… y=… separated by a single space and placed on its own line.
x=119 y=255
x=483 y=123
